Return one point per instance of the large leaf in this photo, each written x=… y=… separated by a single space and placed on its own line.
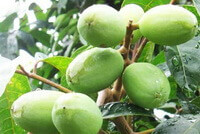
x=184 y=63
x=187 y=124
x=59 y=62
x=197 y=5
x=116 y=109
x=7 y=23
x=146 y=4
x=16 y=87
x=8 y=45
x=7 y=70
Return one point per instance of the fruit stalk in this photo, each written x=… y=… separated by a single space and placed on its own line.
x=138 y=49
x=123 y=126
x=42 y=79
x=172 y=1
x=149 y=131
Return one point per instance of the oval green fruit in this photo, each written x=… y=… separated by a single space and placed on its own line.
x=146 y=85
x=76 y=113
x=134 y=13
x=168 y=25
x=94 y=70
x=101 y=25
x=32 y=111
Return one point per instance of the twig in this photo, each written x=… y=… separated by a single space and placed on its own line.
x=104 y=96
x=116 y=91
x=149 y=131
x=138 y=50
x=35 y=67
x=127 y=40
x=35 y=76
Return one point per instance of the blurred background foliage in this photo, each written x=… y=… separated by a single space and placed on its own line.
x=39 y=32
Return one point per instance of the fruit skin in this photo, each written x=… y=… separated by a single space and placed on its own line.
x=32 y=111
x=146 y=85
x=168 y=25
x=76 y=113
x=101 y=25
x=94 y=70
x=134 y=13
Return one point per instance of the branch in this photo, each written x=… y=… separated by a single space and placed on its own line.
x=138 y=50
x=123 y=126
x=120 y=122
x=35 y=76
x=35 y=67
x=104 y=96
x=116 y=91
x=149 y=131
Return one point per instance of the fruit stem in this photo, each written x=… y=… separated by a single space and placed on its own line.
x=123 y=126
x=172 y=1
x=138 y=50
x=35 y=76
x=149 y=131
x=35 y=67
x=104 y=96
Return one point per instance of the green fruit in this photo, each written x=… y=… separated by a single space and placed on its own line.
x=134 y=13
x=168 y=25
x=101 y=25
x=94 y=70
x=146 y=85
x=32 y=111
x=76 y=113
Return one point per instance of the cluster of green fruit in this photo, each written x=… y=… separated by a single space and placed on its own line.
x=101 y=25
x=50 y=112
x=53 y=112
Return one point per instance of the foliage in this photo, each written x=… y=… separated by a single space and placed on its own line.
x=52 y=45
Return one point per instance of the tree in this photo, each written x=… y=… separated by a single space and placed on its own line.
x=54 y=45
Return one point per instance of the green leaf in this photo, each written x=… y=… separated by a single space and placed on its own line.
x=41 y=36
x=117 y=109
x=7 y=23
x=193 y=10
x=186 y=124
x=59 y=62
x=197 y=5
x=184 y=63
x=146 y=4
x=147 y=53
x=160 y=58
x=7 y=70
x=16 y=87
